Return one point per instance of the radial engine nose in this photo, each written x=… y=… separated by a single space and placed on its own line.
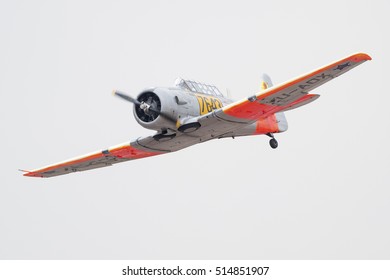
x=150 y=107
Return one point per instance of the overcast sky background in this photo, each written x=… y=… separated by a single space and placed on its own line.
x=323 y=194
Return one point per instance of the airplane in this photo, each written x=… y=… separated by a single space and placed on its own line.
x=191 y=112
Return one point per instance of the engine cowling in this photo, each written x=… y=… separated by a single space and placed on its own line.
x=152 y=102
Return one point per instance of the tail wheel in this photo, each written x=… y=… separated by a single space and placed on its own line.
x=273 y=143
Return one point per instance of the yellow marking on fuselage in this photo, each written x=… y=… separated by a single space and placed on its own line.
x=208 y=103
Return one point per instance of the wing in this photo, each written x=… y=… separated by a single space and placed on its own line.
x=110 y=156
x=288 y=95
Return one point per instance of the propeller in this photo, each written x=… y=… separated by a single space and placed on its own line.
x=146 y=106
x=149 y=107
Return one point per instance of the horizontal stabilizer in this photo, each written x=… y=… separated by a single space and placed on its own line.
x=302 y=101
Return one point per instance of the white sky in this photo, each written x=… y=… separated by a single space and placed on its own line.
x=323 y=194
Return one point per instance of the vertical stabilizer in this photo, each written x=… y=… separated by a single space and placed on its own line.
x=266 y=82
x=280 y=117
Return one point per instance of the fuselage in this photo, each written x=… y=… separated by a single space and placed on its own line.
x=182 y=103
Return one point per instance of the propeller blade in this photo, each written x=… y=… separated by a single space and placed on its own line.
x=126 y=97
x=136 y=102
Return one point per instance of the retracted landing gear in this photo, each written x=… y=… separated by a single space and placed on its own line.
x=273 y=143
x=164 y=135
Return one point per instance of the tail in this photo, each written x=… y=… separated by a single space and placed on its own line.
x=266 y=82
x=281 y=120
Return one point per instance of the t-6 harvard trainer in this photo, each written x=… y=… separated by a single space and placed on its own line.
x=190 y=113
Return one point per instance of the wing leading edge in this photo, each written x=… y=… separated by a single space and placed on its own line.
x=110 y=156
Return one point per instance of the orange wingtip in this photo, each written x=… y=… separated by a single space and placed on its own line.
x=29 y=173
x=32 y=174
x=360 y=57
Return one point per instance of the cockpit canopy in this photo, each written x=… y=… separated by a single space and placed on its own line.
x=198 y=87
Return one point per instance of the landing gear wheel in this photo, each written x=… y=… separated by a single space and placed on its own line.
x=273 y=143
x=189 y=127
x=163 y=137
